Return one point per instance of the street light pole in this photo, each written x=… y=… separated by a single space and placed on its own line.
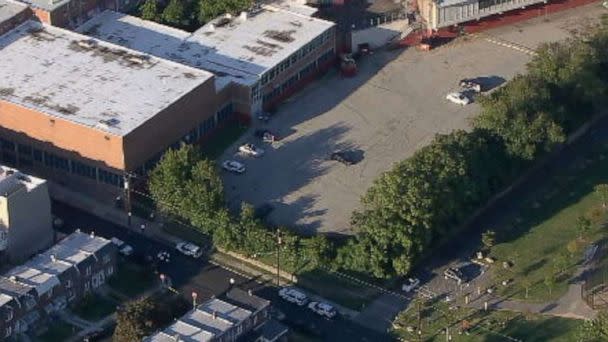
x=278 y=257
x=127 y=188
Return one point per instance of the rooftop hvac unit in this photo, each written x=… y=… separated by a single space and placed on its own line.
x=87 y=44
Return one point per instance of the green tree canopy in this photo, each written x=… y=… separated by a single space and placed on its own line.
x=174 y=13
x=134 y=321
x=185 y=185
x=149 y=10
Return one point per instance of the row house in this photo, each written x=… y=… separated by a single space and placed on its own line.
x=51 y=281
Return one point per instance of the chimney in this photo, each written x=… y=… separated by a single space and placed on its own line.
x=243 y=16
x=249 y=292
x=214 y=314
x=53 y=258
x=92 y=234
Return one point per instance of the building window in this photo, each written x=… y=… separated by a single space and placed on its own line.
x=87 y=271
x=87 y=286
x=106 y=258
x=110 y=271
x=68 y=284
x=8 y=332
x=83 y=170
x=110 y=178
x=9 y=314
x=224 y=113
x=37 y=155
x=7 y=145
x=24 y=150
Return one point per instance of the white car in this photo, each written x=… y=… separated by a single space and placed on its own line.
x=123 y=248
x=251 y=150
x=458 y=98
x=293 y=295
x=233 y=166
x=323 y=309
x=189 y=249
x=410 y=284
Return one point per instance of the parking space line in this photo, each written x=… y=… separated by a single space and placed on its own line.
x=508 y=44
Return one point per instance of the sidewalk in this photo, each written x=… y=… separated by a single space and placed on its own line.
x=107 y=212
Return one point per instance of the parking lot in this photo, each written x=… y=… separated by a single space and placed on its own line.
x=394 y=106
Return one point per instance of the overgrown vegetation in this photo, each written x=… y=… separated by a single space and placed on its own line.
x=186 y=186
x=190 y=14
x=423 y=199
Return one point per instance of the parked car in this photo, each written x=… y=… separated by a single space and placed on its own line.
x=293 y=295
x=468 y=83
x=323 y=309
x=123 y=248
x=233 y=166
x=342 y=157
x=189 y=249
x=454 y=274
x=263 y=211
x=265 y=135
x=458 y=98
x=251 y=149
x=410 y=284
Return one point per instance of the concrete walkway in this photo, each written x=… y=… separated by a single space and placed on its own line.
x=570 y=305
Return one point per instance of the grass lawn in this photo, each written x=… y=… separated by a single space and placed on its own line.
x=222 y=139
x=94 y=308
x=535 y=237
x=493 y=326
x=58 y=331
x=132 y=280
x=340 y=290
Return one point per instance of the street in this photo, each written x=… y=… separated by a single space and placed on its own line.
x=211 y=280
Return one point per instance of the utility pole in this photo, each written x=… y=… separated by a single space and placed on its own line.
x=127 y=188
x=278 y=257
x=419 y=308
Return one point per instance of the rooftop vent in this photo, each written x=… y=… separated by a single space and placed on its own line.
x=87 y=44
x=53 y=258
x=214 y=314
x=10 y=172
x=92 y=234
x=243 y=16
x=136 y=60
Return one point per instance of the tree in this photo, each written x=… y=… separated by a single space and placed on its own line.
x=595 y=215
x=595 y=330
x=561 y=263
x=488 y=239
x=601 y=190
x=549 y=282
x=583 y=225
x=173 y=14
x=527 y=284
x=134 y=321
x=318 y=251
x=573 y=248
x=149 y=10
x=210 y=9
x=185 y=185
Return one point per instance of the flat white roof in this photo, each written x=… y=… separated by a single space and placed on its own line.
x=236 y=50
x=12 y=180
x=208 y=320
x=9 y=9
x=4 y=299
x=86 y=81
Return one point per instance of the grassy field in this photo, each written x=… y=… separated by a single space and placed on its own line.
x=493 y=326
x=57 y=331
x=538 y=234
x=94 y=308
x=132 y=280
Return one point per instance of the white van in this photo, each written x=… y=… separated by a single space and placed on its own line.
x=293 y=295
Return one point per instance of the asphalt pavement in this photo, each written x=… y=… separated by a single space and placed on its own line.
x=211 y=280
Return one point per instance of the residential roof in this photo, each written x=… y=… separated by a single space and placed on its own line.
x=9 y=9
x=4 y=299
x=236 y=50
x=12 y=180
x=42 y=271
x=86 y=81
x=205 y=323
x=47 y=5
x=246 y=299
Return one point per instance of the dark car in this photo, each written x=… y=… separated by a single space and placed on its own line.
x=470 y=84
x=263 y=211
x=342 y=157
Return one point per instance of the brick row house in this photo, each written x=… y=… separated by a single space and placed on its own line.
x=52 y=280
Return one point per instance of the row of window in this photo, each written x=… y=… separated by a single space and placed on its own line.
x=306 y=71
x=296 y=56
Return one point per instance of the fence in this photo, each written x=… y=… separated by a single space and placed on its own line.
x=595 y=287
